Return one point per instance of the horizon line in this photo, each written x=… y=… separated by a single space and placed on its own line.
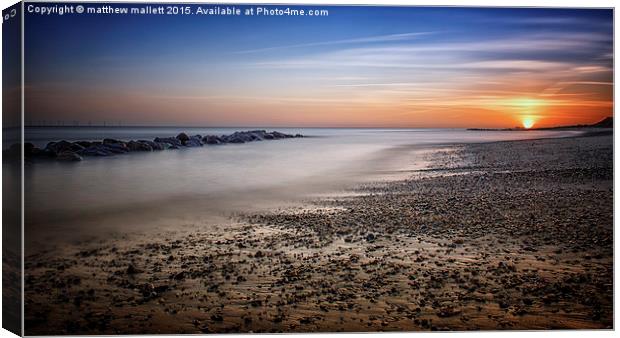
x=298 y=127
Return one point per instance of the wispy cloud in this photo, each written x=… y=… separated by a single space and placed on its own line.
x=530 y=53
x=570 y=21
x=370 y=39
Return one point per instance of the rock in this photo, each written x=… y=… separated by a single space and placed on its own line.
x=250 y=136
x=84 y=144
x=139 y=146
x=96 y=150
x=116 y=148
x=154 y=145
x=161 y=288
x=131 y=270
x=148 y=290
x=236 y=137
x=370 y=237
x=171 y=141
x=109 y=146
x=183 y=138
x=212 y=139
x=279 y=135
x=257 y=135
x=112 y=141
x=58 y=147
x=448 y=312
x=194 y=141
x=104 y=149
x=69 y=156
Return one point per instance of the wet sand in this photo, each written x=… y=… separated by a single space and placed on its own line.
x=505 y=235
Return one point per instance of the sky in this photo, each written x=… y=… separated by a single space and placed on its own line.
x=400 y=67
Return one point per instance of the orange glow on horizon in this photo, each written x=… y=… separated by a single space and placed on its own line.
x=495 y=106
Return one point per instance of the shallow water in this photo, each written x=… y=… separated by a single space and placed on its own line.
x=216 y=179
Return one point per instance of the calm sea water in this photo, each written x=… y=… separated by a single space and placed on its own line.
x=219 y=178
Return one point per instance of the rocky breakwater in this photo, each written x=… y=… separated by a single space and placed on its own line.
x=76 y=151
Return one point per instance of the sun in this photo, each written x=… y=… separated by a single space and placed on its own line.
x=528 y=122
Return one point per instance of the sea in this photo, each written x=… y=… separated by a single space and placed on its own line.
x=131 y=190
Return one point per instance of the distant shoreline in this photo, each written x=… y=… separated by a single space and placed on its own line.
x=584 y=128
x=606 y=123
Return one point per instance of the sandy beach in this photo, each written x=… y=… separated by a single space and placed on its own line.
x=502 y=235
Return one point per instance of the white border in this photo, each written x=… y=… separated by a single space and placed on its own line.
x=465 y=3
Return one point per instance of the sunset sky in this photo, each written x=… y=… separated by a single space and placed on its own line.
x=357 y=67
